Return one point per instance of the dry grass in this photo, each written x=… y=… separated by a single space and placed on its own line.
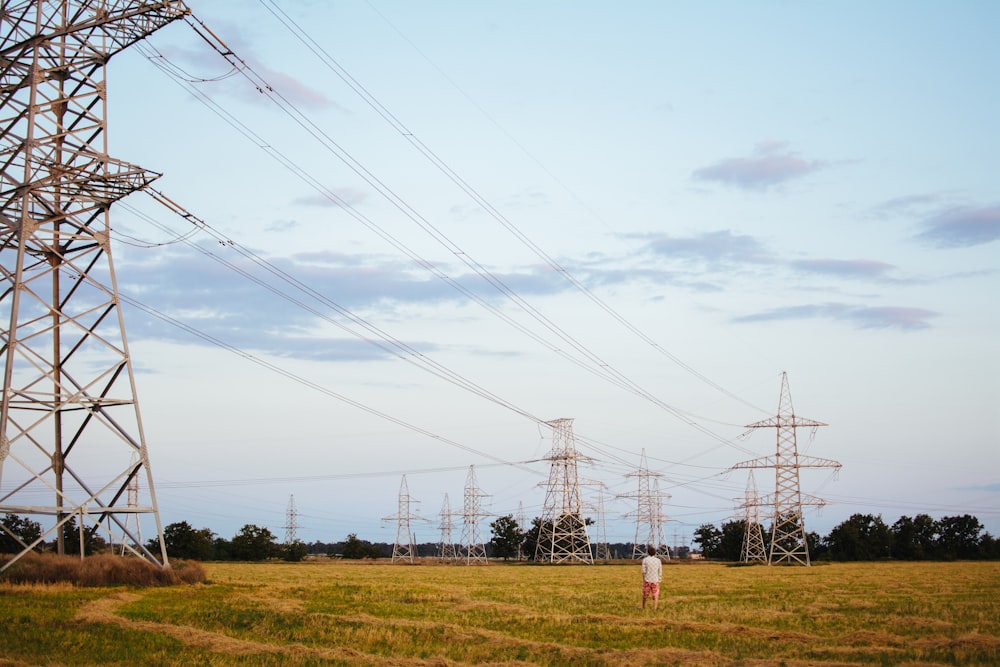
x=101 y=570
x=342 y=613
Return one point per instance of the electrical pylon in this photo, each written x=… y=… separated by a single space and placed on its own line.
x=472 y=514
x=132 y=519
x=404 y=548
x=291 y=522
x=788 y=533
x=753 y=550
x=448 y=549
x=602 y=550
x=649 y=517
x=69 y=420
x=562 y=535
x=522 y=522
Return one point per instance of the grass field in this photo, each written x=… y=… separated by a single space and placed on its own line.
x=354 y=613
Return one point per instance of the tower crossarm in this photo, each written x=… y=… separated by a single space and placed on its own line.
x=98 y=32
x=796 y=462
x=786 y=421
x=769 y=499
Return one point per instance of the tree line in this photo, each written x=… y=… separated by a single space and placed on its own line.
x=865 y=537
x=861 y=537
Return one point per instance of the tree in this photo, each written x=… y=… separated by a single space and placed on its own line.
x=710 y=539
x=530 y=542
x=294 y=551
x=958 y=536
x=183 y=541
x=92 y=542
x=358 y=549
x=253 y=543
x=16 y=531
x=914 y=538
x=861 y=537
x=731 y=540
x=507 y=537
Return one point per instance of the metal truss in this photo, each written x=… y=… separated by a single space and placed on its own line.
x=72 y=447
x=562 y=535
x=788 y=534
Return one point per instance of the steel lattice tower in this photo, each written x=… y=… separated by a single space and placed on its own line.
x=788 y=534
x=448 y=549
x=649 y=518
x=602 y=549
x=405 y=547
x=69 y=421
x=291 y=522
x=753 y=550
x=522 y=522
x=562 y=535
x=472 y=541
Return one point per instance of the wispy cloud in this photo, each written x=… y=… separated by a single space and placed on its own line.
x=884 y=317
x=989 y=488
x=711 y=247
x=339 y=198
x=962 y=227
x=771 y=163
x=867 y=269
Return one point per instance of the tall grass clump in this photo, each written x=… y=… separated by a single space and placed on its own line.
x=100 y=570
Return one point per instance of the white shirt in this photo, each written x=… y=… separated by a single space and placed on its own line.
x=652 y=569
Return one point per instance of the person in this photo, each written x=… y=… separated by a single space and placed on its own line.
x=652 y=573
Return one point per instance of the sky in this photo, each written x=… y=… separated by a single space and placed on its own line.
x=430 y=228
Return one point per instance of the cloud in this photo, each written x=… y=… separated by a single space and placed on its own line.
x=340 y=198
x=770 y=164
x=906 y=205
x=248 y=307
x=962 y=227
x=713 y=247
x=885 y=317
x=844 y=268
x=991 y=488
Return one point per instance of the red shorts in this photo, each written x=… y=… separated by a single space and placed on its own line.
x=651 y=588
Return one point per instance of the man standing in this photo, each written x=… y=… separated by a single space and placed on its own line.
x=652 y=573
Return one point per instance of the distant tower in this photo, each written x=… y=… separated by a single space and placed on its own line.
x=291 y=522
x=788 y=533
x=69 y=419
x=132 y=526
x=404 y=548
x=649 y=518
x=448 y=549
x=562 y=535
x=522 y=525
x=472 y=541
x=602 y=550
x=753 y=550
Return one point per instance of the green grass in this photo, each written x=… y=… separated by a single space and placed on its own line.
x=342 y=613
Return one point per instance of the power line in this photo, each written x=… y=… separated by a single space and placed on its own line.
x=596 y=366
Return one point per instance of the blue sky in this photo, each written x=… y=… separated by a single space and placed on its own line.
x=678 y=201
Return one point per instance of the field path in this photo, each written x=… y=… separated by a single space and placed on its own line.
x=104 y=610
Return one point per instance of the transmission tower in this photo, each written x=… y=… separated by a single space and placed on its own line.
x=69 y=420
x=472 y=514
x=522 y=522
x=753 y=550
x=291 y=522
x=602 y=550
x=132 y=519
x=788 y=533
x=649 y=517
x=562 y=535
x=404 y=548
x=448 y=549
